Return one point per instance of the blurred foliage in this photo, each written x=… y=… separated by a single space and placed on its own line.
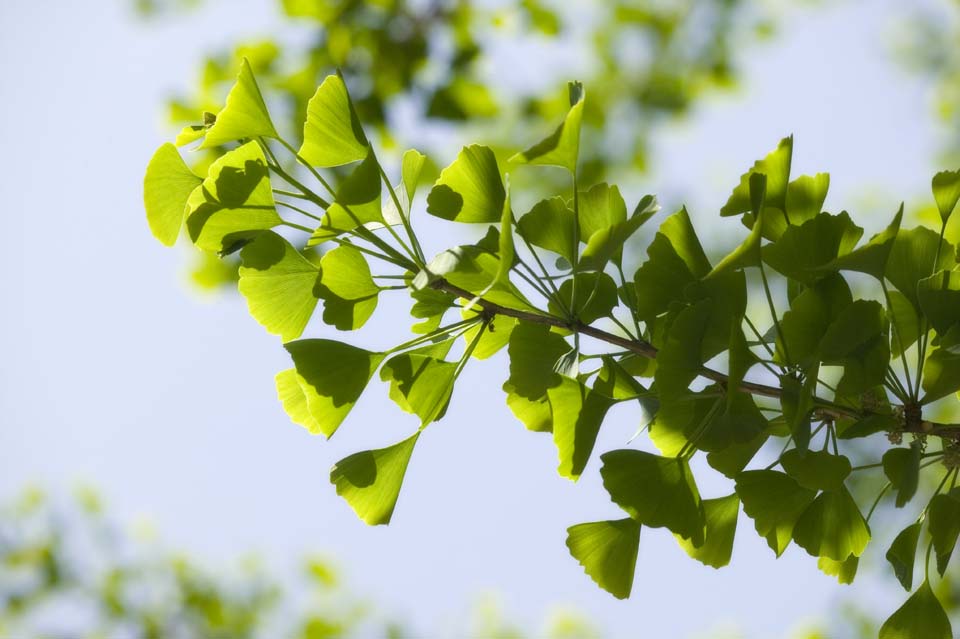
x=66 y=572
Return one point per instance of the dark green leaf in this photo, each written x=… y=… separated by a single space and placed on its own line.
x=939 y=298
x=596 y=297
x=903 y=554
x=578 y=413
x=941 y=375
x=776 y=166
x=833 y=527
x=872 y=257
x=775 y=502
x=816 y=470
x=912 y=259
x=902 y=468
x=803 y=250
x=921 y=616
x=943 y=517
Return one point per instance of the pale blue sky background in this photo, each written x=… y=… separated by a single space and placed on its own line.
x=114 y=372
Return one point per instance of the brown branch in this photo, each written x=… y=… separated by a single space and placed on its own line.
x=646 y=349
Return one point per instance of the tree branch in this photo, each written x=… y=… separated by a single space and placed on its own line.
x=646 y=349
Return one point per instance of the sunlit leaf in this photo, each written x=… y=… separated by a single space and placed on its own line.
x=348 y=291
x=596 y=297
x=656 y=491
x=578 y=413
x=802 y=251
x=816 y=470
x=776 y=166
x=832 y=526
x=332 y=134
x=606 y=243
x=872 y=257
x=294 y=400
x=470 y=189
x=166 y=187
x=279 y=284
x=550 y=225
x=245 y=114
x=332 y=376
x=721 y=521
x=775 y=502
x=562 y=147
x=234 y=203
x=607 y=550
x=411 y=167
x=370 y=481
x=946 y=192
x=421 y=381
x=358 y=203
x=845 y=571
x=912 y=259
x=903 y=554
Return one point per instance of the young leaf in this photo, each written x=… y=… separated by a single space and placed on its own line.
x=562 y=147
x=656 y=491
x=921 y=616
x=903 y=554
x=348 y=291
x=721 y=518
x=805 y=197
x=939 y=298
x=245 y=114
x=607 y=242
x=734 y=458
x=534 y=350
x=279 y=284
x=470 y=189
x=578 y=413
x=370 y=481
x=832 y=526
x=816 y=470
x=679 y=360
x=607 y=550
x=234 y=203
x=802 y=251
x=411 y=166
x=166 y=187
x=549 y=225
x=902 y=468
x=358 y=203
x=421 y=381
x=946 y=192
x=941 y=375
x=332 y=376
x=332 y=134
x=776 y=166
x=944 y=526
x=775 y=502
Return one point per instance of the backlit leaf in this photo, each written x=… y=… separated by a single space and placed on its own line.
x=562 y=147
x=721 y=518
x=943 y=517
x=816 y=470
x=903 y=554
x=776 y=166
x=470 y=189
x=549 y=225
x=348 y=291
x=946 y=192
x=832 y=526
x=775 y=502
x=245 y=114
x=607 y=550
x=578 y=413
x=332 y=134
x=921 y=616
x=166 y=187
x=370 y=481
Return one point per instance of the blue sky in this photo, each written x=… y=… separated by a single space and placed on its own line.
x=116 y=373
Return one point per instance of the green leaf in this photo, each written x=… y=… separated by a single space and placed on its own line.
x=903 y=554
x=535 y=414
x=578 y=413
x=943 y=516
x=234 y=203
x=858 y=340
x=421 y=382
x=358 y=203
x=332 y=376
x=845 y=571
x=796 y=402
x=470 y=189
x=903 y=314
x=245 y=114
x=166 y=187
x=902 y=468
x=550 y=225
x=721 y=517
x=816 y=470
x=805 y=197
x=294 y=400
x=596 y=297
x=941 y=375
x=746 y=254
x=656 y=491
x=734 y=458
x=562 y=147
x=775 y=502
x=279 y=284
x=348 y=291
x=494 y=337
x=601 y=207
x=912 y=259
x=607 y=550
x=946 y=192
x=676 y=260
x=430 y=305
x=921 y=616
x=832 y=526
x=332 y=134
x=872 y=257
x=939 y=298
x=776 y=166
x=411 y=167
x=475 y=270
x=607 y=242
x=679 y=359
x=802 y=251
x=370 y=481
x=811 y=313
x=534 y=350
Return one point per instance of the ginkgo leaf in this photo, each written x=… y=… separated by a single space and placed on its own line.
x=234 y=203
x=775 y=502
x=832 y=526
x=294 y=400
x=550 y=225
x=596 y=297
x=562 y=147
x=802 y=251
x=332 y=134
x=941 y=375
x=656 y=491
x=411 y=166
x=845 y=571
x=872 y=257
x=721 y=527
x=279 y=284
x=370 y=481
x=776 y=166
x=805 y=197
x=607 y=243
x=358 y=203
x=921 y=616
x=607 y=550
x=903 y=554
x=946 y=192
x=244 y=116
x=470 y=189
x=347 y=288
x=332 y=376
x=816 y=470
x=917 y=253
x=601 y=208
x=902 y=468
x=943 y=516
x=166 y=186
x=578 y=413
x=939 y=298
x=421 y=381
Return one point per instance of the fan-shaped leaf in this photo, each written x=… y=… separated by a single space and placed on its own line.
x=332 y=134
x=348 y=291
x=245 y=114
x=775 y=502
x=607 y=550
x=470 y=189
x=166 y=187
x=578 y=413
x=721 y=519
x=832 y=526
x=562 y=147
x=370 y=481
x=921 y=616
